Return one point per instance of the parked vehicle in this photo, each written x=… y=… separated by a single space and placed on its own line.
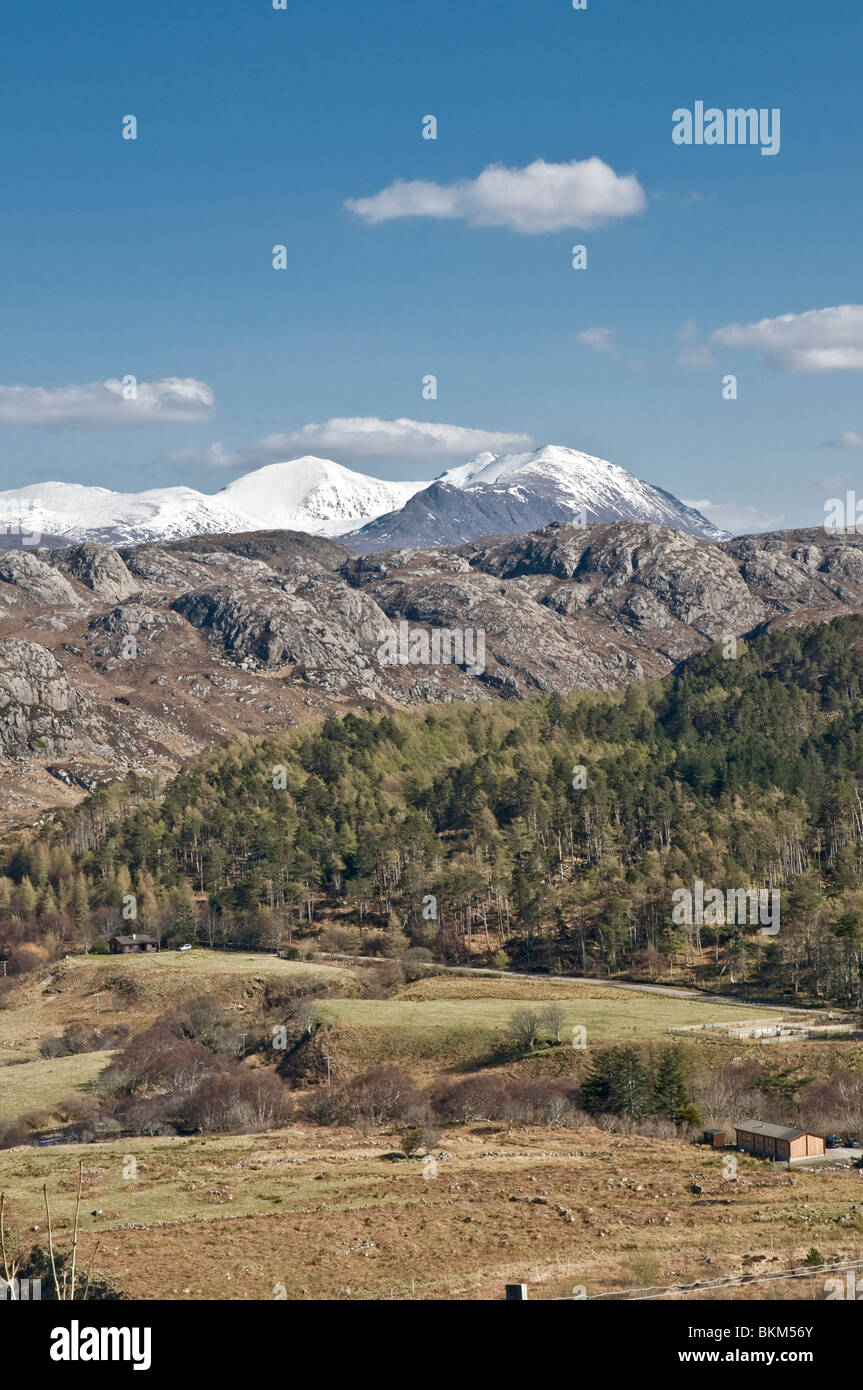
x=187 y=947
x=832 y=1141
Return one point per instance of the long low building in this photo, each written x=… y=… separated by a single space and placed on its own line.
x=784 y=1142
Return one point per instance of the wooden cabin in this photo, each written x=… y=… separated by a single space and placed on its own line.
x=783 y=1142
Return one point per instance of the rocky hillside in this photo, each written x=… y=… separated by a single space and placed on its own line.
x=134 y=659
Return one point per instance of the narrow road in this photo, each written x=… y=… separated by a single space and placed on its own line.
x=671 y=991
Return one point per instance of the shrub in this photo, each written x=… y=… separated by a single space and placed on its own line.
x=79 y=1038
x=77 y=1109
x=13 y=1133
x=415 y=963
x=420 y=1139
x=375 y=944
x=477 y=1098
x=37 y=1119
x=37 y=1264
x=147 y=1117
x=379 y=981
x=385 y=1095
x=327 y=1106
x=339 y=941
x=382 y=1096
x=157 y=1060
x=240 y=1101
x=23 y=960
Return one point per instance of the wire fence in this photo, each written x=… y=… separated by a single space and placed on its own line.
x=656 y=1291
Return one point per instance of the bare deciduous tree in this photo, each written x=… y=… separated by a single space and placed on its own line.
x=553 y=1018
x=524 y=1028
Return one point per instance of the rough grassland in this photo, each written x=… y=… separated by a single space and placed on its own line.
x=105 y=990
x=44 y=1083
x=323 y=1214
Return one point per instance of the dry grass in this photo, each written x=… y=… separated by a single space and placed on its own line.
x=101 y=991
x=323 y=1215
x=499 y=987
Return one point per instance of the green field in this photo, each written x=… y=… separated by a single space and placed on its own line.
x=41 y=1084
x=636 y=1016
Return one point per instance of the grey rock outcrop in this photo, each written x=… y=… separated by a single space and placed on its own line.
x=34 y=581
x=37 y=703
x=144 y=657
x=96 y=567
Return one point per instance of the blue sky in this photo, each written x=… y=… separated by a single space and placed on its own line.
x=153 y=257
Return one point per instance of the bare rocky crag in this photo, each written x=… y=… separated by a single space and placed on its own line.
x=135 y=659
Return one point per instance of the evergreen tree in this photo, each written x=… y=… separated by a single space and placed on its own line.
x=671 y=1087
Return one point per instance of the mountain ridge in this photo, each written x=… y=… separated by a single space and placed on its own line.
x=135 y=658
x=490 y=494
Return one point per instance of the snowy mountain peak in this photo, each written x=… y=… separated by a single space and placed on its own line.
x=316 y=495
x=496 y=494
x=552 y=462
x=595 y=488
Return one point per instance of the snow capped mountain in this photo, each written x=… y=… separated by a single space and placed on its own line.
x=493 y=494
x=499 y=494
x=77 y=513
x=315 y=495
x=306 y=494
x=602 y=491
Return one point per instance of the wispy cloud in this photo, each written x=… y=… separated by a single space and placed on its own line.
x=736 y=517
x=598 y=339
x=693 y=353
x=541 y=197
x=103 y=404
x=820 y=340
x=848 y=439
x=364 y=439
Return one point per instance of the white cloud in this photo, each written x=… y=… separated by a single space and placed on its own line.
x=598 y=339
x=696 y=355
x=848 y=439
x=820 y=340
x=364 y=438
x=102 y=404
x=732 y=516
x=541 y=197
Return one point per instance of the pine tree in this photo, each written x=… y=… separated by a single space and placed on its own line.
x=671 y=1088
x=631 y=1091
x=617 y=1083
